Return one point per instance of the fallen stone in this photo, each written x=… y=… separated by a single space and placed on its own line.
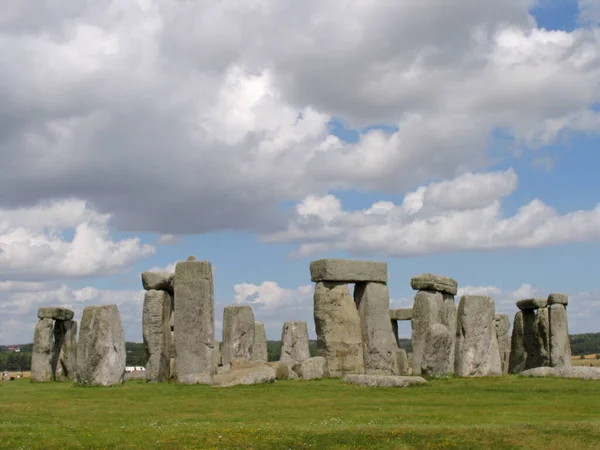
x=403 y=367
x=560 y=344
x=349 y=271
x=383 y=380
x=256 y=373
x=401 y=314
x=101 y=347
x=438 y=342
x=530 y=304
x=431 y=282
x=282 y=370
x=560 y=299
x=579 y=372
x=311 y=368
x=289 y=363
x=160 y=281
x=380 y=347
x=541 y=372
x=65 y=332
x=156 y=333
x=55 y=313
x=259 y=351
x=135 y=376
x=41 y=355
x=337 y=323
x=195 y=378
x=194 y=320
x=502 y=323
x=542 y=338
x=477 y=352
x=238 y=333
x=294 y=341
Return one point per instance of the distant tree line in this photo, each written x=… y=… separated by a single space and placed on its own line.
x=585 y=344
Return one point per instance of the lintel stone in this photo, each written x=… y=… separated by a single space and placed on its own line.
x=530 y=304
x=160 y=281
x=346 y=270
x=561 y=299
x=431 y=282
x=56 y=313
x=401 y=314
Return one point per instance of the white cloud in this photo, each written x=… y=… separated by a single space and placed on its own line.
x=461 y=214
x=242 y=125
x=32 y=243
x=168 y=268
x=168 y=239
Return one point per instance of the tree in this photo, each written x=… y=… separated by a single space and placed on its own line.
x=582 y=357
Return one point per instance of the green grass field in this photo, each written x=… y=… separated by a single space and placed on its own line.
x=509 y=412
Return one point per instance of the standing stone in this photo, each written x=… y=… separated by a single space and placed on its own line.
x=502 y=323
x=448 y=319
x=434 y=362
x=522 y=343
x=426 y=312
x=216 y=361
x=380 y=346
x=542 y=338
x=41 y=356
x=337 y=323
x=157 y=335
x=194 y=321
x=477 y=352
x=560 y=345
x=65 y=332
x=294 y=342
x=238 y=333
x=101 y=347
x=259 y=352
x=403 y=368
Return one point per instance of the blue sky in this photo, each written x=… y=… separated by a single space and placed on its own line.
x=120 y=151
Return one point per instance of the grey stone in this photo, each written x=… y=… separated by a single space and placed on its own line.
x=337 y=324
x=383 y=380
x=542 y=338
x=530 y=304
x=135 y=376
x=346 y=270
x=41 y=355
x=311 y=368
x=56 y=313
x=477 y=352
x=403 y=367
x=438 y=341
x=502 y=323
x=522 y=343
x=253 y=373
x=101 y=347
x=156 y=333
x=561 y=299
x=581 y=372
x=65 y=343
x=289 y=363
x=194 y=321
x=160 y=281
x=427 y=310
x=238 y=333
x=216 y=359
x=282 y=369
x=541 y=372
x=401 y=314
x=380 y=346
x=259 y=352
x=294 y=341
x=431 y=282
x=560 y=344
x=448 y=318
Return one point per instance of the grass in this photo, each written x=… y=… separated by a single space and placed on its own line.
x=589 y=359
x=500 y=413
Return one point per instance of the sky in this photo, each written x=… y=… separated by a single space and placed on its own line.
x=460 y=140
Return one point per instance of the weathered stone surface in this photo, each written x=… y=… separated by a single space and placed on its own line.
x=337 y=324
x=347 y=270
x=403 y=368
x=401 y=314
x=560 y=344
x=541 y=372
x=542 y=338
x=259 y=350
x=561 y=299
x=502 y=323
x=156 y=332
x=135 y=376
x=249 y=374
x=282 y=370
x=438 y=341
x=530 y=304
x=289 y=363
x=101 y=347
x=194 y=321
x=431 y=282
x=65 y=333
x=477 y=352
x=56 y=313
x=294 y=341
x=426 y=312
x=380 y=347
x=238 y=333
x=41 y=356
x=383 y=380
x=160 y=281
x=522 y=343
x=194 y=377
x=580 y=372
x=311 y=368
x=448 y=318
x=216 y=355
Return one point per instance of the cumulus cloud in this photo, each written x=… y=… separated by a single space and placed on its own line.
x=126 y=105
x=33 y=242
x=461 y=214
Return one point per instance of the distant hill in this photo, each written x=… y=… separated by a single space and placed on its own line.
x=581 y=344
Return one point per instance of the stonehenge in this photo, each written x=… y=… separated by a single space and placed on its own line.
x=259 y=352
x=294 y=342
x=156 y=331
x=238 y=333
